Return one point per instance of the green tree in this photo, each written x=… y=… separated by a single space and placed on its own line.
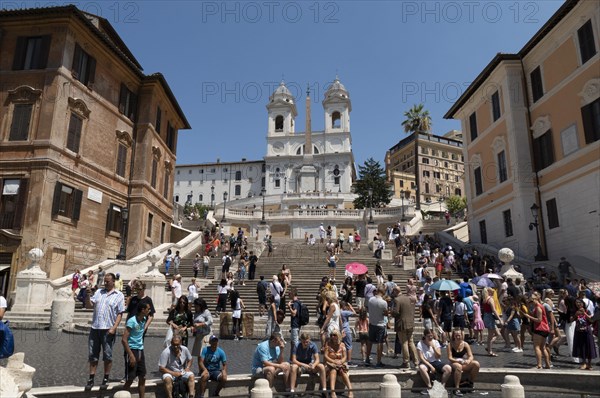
x=456 y=204
x=371 y=175
x=417 y=120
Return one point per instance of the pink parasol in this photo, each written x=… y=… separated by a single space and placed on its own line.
x=357 y=268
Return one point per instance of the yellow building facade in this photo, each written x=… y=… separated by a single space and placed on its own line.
x=532 y=149
x=441 y=167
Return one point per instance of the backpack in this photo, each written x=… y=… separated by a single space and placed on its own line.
x=7 y=341
x=227 y=261
x=304 y=314
x=180 y=388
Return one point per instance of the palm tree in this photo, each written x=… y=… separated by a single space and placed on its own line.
x=417 y=121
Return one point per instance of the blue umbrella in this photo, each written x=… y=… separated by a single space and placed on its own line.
x=445 y=284
x=483 y=281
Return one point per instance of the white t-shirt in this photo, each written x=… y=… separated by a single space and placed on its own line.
x=428 y=351
x=176 y=288
x=3 y=302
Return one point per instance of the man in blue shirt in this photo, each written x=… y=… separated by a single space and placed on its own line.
x=305 y=359
x=268 y=359
x=133 y=344
x=210 y=362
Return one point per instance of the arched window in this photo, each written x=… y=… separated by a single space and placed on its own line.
x=336 y=120
x=315 y=150
x=200 y=198
x=238 y=175
x=279 y=123
x=299 y=151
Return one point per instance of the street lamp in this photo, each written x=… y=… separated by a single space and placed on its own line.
x=285 y=184
x=263 y=192
x=224 y=205
x=402 y=198
x=371 y=206
x=212 y=196
x=123 y=249
x=534 y=212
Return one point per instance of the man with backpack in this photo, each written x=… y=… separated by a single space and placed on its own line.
x=299 y=315
x=226 y=263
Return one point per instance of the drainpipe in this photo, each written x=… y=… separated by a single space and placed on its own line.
x=538 y=194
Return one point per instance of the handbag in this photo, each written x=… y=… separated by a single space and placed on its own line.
x=168 y=337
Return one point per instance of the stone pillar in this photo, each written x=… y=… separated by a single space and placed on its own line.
x=155 y=283
x=371 y=232
x=17 y=377
x=263 y=230
x=261 y=389
x=506 y=255
x=63 y=309
x=390 y=388
x=32 y=286
x=512 y=387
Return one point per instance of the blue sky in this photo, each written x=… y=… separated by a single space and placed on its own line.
x=223 y=59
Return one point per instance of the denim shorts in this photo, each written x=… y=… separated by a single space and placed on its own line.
x=489 y=321
x=514 y=325
x=100 y=338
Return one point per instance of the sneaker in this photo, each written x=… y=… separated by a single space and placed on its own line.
x=236 y=338
x=424 y=392
x=515 y=349
x=89 y=384
x=380 y=365
x=368 y=362
x=518 y=350
x=352 y=365
x=458 y=393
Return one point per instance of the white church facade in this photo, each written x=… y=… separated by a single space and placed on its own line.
x=310 y=169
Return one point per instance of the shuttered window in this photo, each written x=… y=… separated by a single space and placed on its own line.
x=74 y=133
x=66 y=201
x=31 y=52
x=83 y=67
x=21 y=121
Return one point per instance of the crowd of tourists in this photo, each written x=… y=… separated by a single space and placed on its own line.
x=483 y=308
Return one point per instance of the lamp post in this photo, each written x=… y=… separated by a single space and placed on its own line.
x=263 y=192
x=284 y=184
x=402 y=198
x=212 y=196
x=123 y=249
x=224 y=205
x=534 y=212
x=371 y=206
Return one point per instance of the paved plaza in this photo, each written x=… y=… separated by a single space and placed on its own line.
x=61 y=358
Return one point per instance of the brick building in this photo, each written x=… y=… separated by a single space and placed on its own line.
x=88 y=144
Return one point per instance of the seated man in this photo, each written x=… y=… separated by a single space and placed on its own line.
x=268 y=359
x=430 y=354
x=176 y=361
x=305 y=359
x=211 y=359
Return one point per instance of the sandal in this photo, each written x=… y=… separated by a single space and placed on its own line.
x=492 y=354
x=583 y=367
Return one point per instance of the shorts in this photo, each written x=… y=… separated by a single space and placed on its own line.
x=262 y=299
x=332 y=264
x=184 y=376
x=513 y=325
x=447 y=325
x=376 y=334
x=363 y=337
x=302 y=370
x=540 y=333
x=471 y=317
x=489 y=321
x=347 y=340
x=214 y=375
x=438 y=365
x=428 y=323
x=137 y=370
x=459 y=321
x=100 y=338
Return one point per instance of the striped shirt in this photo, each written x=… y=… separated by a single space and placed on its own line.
x=107 y=305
